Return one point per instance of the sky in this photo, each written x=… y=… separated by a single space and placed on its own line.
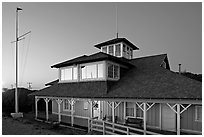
x=62 y=31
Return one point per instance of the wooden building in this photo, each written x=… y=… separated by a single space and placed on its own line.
x=112 y=92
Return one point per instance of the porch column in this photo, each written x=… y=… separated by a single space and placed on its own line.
x=46 y=101
x=59 y=101
x=160 y=116
x=124 y=115
x=178 y=119
x=91 y=113
x=145 y=118
x=113 y=112
x=36 y=107
x=72 y=112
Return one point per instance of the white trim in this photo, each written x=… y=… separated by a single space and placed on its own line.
x=198 y=102
x=63 y=106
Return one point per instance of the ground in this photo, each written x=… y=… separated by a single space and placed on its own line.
x=28 y=126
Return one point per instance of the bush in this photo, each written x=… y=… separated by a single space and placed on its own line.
x=25 y=102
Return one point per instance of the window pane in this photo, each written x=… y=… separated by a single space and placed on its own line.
x=75 y=73
x=111 y=50
x=110 y=70
x=130 y=109
x=62 y=74
x=131 y=54
x=104 y=49
x=128 y=52
x=83 y=72
x=124 y=50
x=116 y=71
x=100 y=70
x=139 y=113
x=117 y=50
x=68 y=74
x=91 y=71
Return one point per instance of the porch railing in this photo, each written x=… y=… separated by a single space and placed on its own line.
x=115 y=129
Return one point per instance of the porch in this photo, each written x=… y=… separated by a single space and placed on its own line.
x=110 y=126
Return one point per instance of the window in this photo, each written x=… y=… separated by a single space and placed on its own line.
x=69 y=73
x=198 y=113
x=66 y=105
x=86 y=104
x=124 y=50
x=130 y=109
x=139 y=112
x=116 y=72
x=117 y=50
x=110 y=70
x=100 y=70
x=113 y=71
x=104 y=49
x=110 y=50
x=131 y=54
x=93 y=71
x=128 y=52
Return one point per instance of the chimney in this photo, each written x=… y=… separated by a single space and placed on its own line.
x=179 y=68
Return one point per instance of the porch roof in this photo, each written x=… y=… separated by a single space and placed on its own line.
x=147 y=80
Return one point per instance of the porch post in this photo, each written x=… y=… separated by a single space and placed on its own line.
x=59 y=101
x=46 y=101
x=178 y=119
x=124 y=115
x=160 y=116
x=113 y=112
x=144 y=118
x=72 y=112
x=36 y=107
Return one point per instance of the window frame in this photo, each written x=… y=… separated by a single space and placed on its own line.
x=69 y=107
x=72 y=70
x=93 y=79
x=196 y=113
x=114 y=64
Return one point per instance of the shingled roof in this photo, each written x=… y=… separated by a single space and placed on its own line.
x=92 y=58
x=116 y=40
x=147 y=80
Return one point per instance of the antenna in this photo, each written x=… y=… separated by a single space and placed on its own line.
x=116 y=20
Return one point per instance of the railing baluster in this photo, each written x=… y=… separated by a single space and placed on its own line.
x=104 y=132
x=128 y=132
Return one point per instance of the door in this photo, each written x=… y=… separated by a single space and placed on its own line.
x=168 y=118
x=96 y=109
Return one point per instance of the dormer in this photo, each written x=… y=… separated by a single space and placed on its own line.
x=119 y=47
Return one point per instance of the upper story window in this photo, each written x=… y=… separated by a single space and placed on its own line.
x=68 y=74
x=92 y=71
x=113 y=71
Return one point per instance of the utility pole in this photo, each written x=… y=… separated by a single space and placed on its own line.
x=17 y=114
